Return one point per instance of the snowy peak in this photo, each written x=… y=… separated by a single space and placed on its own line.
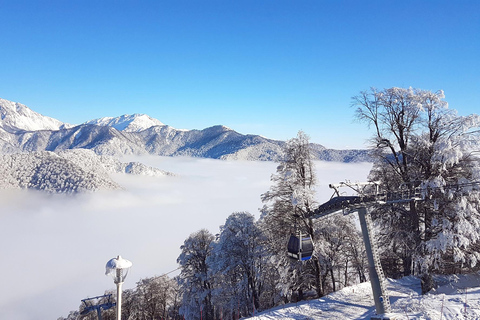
x=18 y=117
x=128 y=123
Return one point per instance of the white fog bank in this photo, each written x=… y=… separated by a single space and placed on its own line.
x=55 y=247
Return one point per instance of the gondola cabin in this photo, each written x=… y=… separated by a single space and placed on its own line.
x=300 y=250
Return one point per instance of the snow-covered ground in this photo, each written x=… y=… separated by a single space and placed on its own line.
x=457 y=297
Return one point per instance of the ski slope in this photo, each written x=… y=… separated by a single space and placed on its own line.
x=457 y=297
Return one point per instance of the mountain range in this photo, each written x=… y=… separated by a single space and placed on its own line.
x=24 y=130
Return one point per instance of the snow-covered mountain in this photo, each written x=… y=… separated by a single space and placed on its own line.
x=16 y=117
x=128 y=123
x=141 y=134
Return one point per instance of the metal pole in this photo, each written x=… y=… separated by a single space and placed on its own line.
x=99 y=313
x=119 y=300
x=378 y=295
x=300 y=251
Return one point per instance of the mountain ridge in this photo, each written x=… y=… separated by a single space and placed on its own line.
x=130 y=123
x=141 y=134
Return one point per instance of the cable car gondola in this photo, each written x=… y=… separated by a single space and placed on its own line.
x=300 y=248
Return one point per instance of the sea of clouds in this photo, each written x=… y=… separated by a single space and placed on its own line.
x=54 y=247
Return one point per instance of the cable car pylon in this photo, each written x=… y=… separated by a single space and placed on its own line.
x=377 y=277
x=360 y=204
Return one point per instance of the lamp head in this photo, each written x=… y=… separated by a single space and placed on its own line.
x=118 y=268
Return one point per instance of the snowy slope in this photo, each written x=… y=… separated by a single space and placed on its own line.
x=16 y=117
x=457 y=297
x=129 y=123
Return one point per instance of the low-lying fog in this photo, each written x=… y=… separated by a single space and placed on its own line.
x=54 y=247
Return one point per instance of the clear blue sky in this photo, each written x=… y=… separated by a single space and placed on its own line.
x=265 y=67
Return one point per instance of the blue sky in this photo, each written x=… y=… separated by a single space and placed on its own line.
x=265 y=67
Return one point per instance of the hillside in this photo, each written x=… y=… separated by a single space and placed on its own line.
x=68 y=171
x=49 y=172
x=457 y=297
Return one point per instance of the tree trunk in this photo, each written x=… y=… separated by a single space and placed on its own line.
x=333 y=279
x=428 y=223
x=300 y=296
x=324 y=283
x=346 y=274
x=407 y=265
x=318 y=282
x=254 y=291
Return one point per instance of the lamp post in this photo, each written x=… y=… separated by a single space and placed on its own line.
x=118 y=269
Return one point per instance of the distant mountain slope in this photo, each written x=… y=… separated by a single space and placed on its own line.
x=140 y=134
x=90 y=161
x=129 y=123
x=68 y=171
x=346 y=156
x=218 y=142
x=16 y=117
x=103 y=140
x=49 y=172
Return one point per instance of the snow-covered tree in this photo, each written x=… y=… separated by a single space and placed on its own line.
x=154 y=298
x=236 y=264
x=194 y=279
x=419 y=142
x=287 y=206
x=73 y=315
x=292 y=192
x=341 y=252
